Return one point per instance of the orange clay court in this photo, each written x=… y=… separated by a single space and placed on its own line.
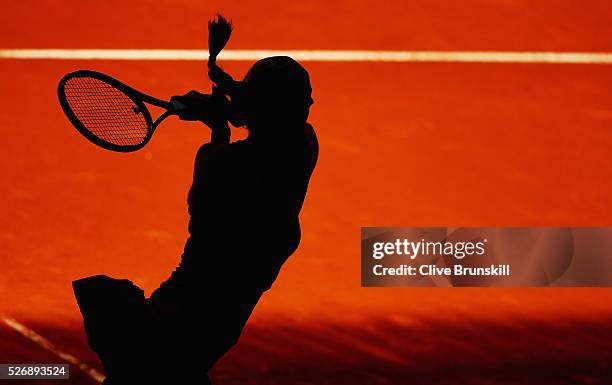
x=402 y=144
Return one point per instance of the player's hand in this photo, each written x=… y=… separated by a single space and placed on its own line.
x=209 y=109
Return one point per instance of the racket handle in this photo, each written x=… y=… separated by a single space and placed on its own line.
x=189 y=106
x=178 y=107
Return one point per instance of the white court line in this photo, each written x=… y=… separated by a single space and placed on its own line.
x=313 y=55
x=46 y=344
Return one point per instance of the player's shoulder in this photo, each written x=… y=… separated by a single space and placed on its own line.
x=309 y=129
x=311 y=138
x=218 y=150
x=209 y=151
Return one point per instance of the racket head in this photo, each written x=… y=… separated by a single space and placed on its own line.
x=107 y=112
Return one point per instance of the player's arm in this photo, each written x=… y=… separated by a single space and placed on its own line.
x=211 y=110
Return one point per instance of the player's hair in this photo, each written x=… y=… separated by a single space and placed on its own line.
x=219 y=32
x=277 y=80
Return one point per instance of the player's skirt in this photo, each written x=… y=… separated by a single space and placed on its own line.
x=129 y=337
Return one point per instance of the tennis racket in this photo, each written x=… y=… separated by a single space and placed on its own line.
x=109 y=113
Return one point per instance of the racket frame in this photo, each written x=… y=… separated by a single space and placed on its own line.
x=135 y=96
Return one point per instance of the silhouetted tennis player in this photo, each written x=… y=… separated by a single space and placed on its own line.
x=244 y=205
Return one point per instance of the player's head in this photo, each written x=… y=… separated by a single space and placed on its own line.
x=277 y=92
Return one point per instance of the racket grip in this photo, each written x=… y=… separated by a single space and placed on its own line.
x=178 y=107
x=187 y=106
x=197 y=106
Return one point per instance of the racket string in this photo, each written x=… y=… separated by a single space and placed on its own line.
x=106 y=111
